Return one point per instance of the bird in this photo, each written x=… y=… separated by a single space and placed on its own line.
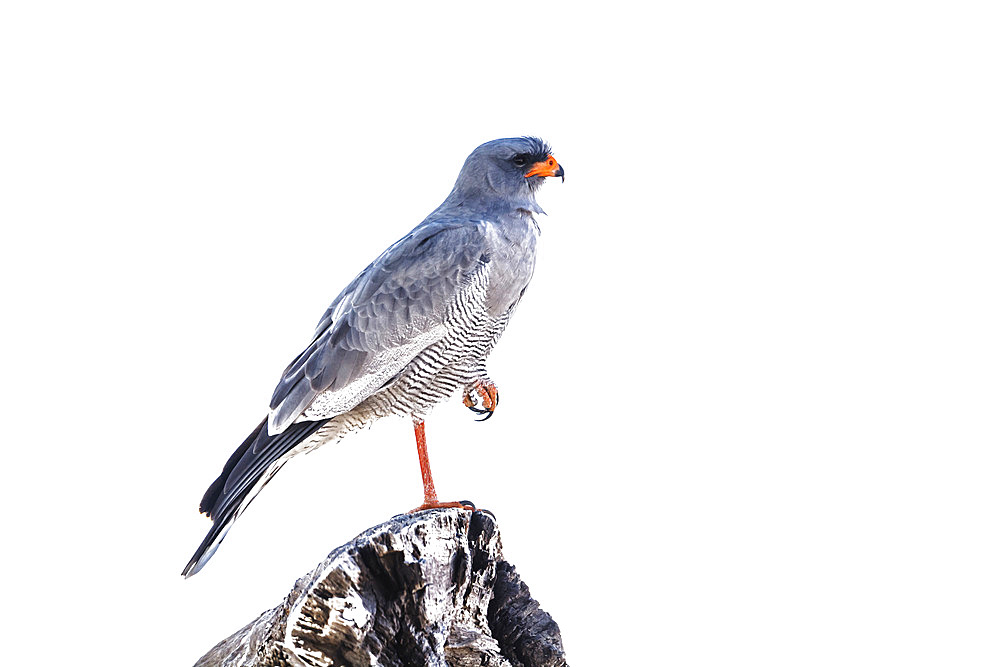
x=410 y=331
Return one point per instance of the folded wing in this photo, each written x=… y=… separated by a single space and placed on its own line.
x=379 y=323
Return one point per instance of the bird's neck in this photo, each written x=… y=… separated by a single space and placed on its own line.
x=487 y=206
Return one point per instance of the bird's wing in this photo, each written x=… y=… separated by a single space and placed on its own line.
x=394 y=309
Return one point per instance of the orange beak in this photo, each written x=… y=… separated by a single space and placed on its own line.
x=547 y=167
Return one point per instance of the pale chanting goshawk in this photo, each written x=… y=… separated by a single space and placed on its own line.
x=411 y=330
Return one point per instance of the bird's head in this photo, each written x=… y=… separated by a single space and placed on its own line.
x=506 y=172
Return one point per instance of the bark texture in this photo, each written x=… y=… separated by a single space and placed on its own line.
x=430 y=588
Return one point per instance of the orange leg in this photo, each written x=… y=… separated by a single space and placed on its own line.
x=489 y=398
x=430 y=495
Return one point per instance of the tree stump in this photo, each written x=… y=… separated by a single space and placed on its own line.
x=429 y=588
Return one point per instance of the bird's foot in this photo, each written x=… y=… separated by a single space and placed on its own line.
x=486 y=399
x=434 y=504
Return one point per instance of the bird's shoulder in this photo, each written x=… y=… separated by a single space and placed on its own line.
x=436 y=244
x=427 y=253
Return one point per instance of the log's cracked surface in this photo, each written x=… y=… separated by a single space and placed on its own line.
x=430 y=588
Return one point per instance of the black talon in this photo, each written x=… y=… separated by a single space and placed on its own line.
x=469 y=503
x=481 y=411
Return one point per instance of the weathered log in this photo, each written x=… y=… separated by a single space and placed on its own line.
x=430 y=588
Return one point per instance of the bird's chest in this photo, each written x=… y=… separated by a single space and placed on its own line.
x=511 y=263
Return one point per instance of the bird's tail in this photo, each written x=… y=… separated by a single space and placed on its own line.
x=208 y=547
x=246 y=472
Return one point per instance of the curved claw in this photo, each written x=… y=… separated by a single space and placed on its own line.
x=489 y=398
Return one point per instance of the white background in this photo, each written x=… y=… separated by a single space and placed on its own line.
x=749 y=404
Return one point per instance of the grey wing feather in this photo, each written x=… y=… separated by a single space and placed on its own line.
x=391 y=311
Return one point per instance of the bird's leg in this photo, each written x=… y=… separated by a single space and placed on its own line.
x=489 y=398
x=430 y=495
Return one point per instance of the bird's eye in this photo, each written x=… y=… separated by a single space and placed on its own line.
x=519 y=161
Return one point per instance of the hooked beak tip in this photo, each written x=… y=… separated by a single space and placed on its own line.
x=545 y=168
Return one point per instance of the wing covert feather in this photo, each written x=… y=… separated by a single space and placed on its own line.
x=367 y=334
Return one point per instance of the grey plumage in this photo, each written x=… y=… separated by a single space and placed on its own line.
x=410 y=330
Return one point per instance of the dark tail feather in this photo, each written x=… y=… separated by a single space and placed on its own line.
x=208 y=546
x=212 y=495
x=231 y=491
